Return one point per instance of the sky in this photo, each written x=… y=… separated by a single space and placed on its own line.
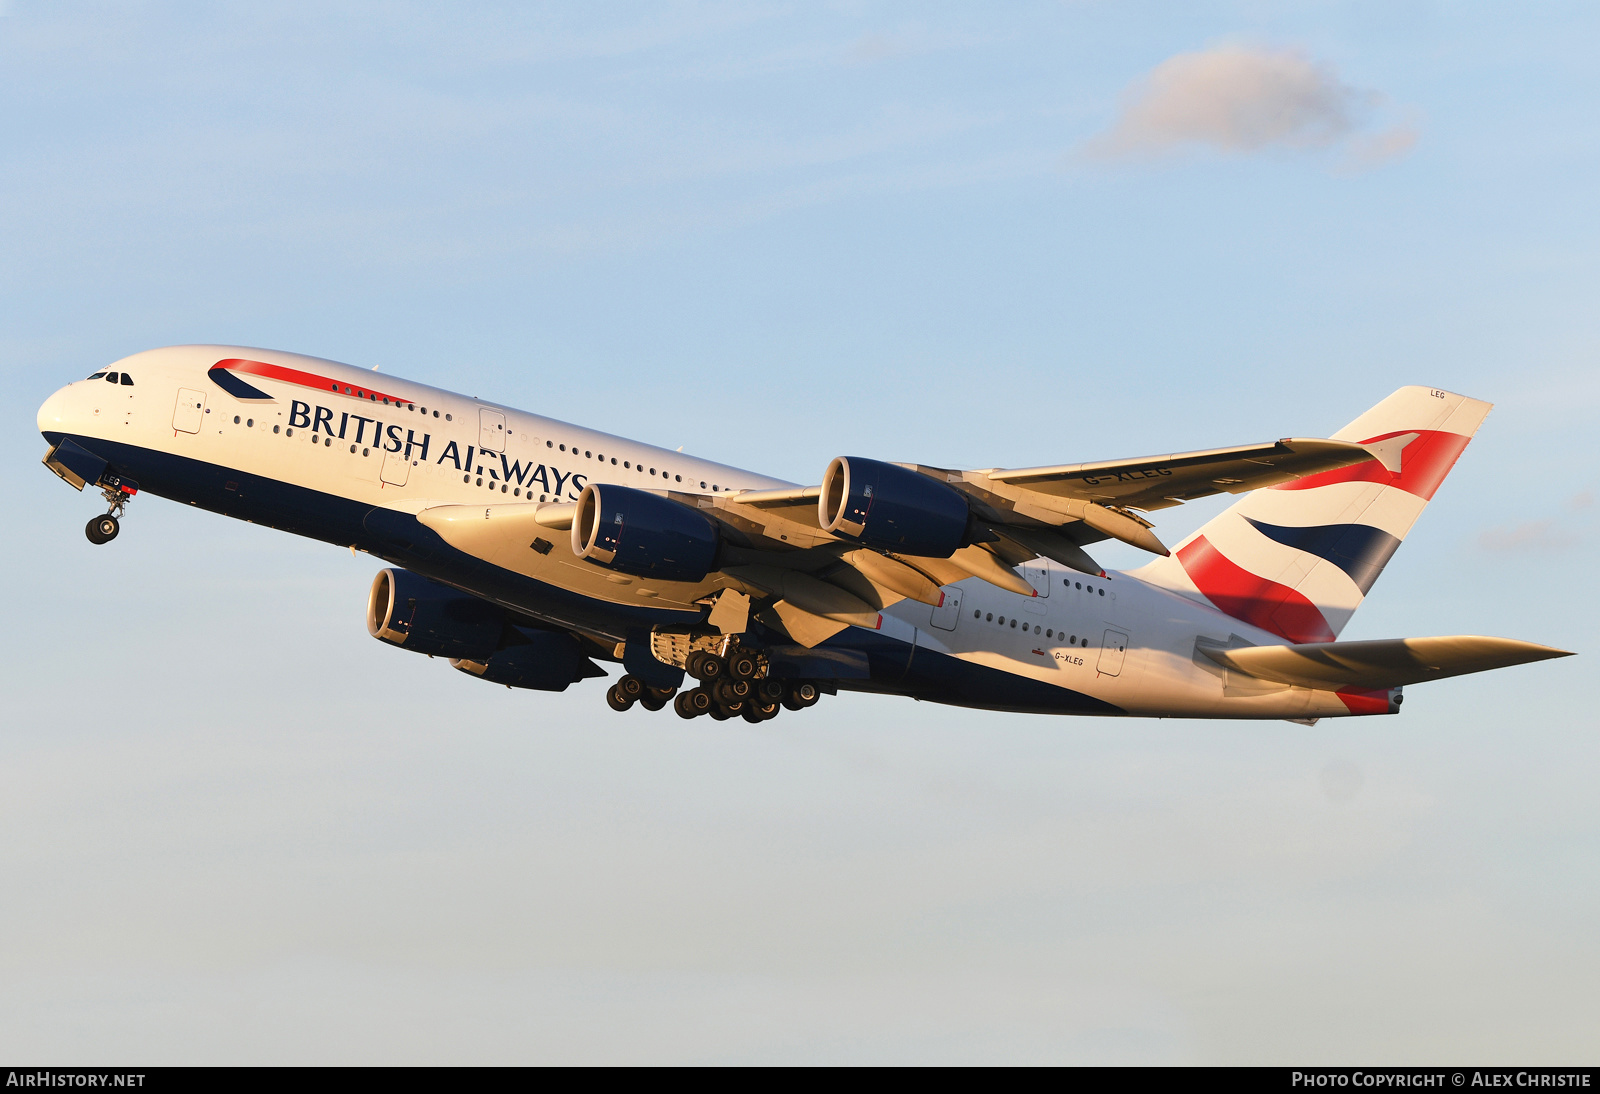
x=235 y=829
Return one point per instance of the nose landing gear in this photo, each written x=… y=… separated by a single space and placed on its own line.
x=104 y=529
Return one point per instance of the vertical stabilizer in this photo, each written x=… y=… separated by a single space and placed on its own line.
x=1297 y=559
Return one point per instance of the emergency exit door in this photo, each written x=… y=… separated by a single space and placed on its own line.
x=189 y=411
x=491 y=430
x=1113 y=648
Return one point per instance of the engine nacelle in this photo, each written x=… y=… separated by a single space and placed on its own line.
x=890 y=508
x=643 y=534
x=411 y=612
x=544 y=661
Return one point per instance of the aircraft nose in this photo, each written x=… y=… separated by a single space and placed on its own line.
x=54 y=414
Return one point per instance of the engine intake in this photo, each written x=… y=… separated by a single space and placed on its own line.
x=891 y=508
x=644 y=534
x=414 y=613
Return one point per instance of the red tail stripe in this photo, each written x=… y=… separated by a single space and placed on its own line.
x=1363 y=701
x=1244 y=595
x=304 y=379
x=1423 y=465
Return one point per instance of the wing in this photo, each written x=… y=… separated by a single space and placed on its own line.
x=1054 y=511
x=1156 y=482
x=815 y=559
x=1386 y=663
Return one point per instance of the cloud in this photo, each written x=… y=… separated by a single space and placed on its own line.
x=1241 y=99
x=1380 y=148
x=1531 y=535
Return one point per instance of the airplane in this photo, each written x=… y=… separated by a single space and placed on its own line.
x=529 y=551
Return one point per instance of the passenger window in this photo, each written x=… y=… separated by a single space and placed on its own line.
x=989 y=618
x=127 y=381
x=1102 y=592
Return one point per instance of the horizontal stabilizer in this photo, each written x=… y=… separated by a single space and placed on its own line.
x=1385 y=663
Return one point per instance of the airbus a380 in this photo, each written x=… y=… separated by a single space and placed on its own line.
x=525 y=550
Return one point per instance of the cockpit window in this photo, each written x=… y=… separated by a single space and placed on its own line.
x=127 y=381
x=98 y=375
x=111 y=377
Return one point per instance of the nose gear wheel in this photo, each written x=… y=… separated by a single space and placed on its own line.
x=104 y=529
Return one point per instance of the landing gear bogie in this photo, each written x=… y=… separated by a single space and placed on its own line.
x=735 y=682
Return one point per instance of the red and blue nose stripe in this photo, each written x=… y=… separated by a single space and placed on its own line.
x=225 y=375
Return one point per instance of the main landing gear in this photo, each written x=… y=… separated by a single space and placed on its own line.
x=731 y=686
x=104 y=528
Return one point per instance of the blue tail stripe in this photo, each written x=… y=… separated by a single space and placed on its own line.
x=1360 y=550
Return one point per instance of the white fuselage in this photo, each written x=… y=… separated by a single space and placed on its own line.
x=384 y=443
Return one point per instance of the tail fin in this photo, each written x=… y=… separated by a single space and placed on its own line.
x=1297 y=559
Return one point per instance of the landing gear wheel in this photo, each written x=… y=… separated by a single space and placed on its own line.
x=729 y=692
x=681 y=707
x=631 y=686
x=651 y=701
x=707 y=667
x=751 y=714
x=801 y=695
x=765 y=711
x=718 y=714
x=617 y=699
x=741 y=666
x=102 y=529
x=770 y=690
x=699 y=700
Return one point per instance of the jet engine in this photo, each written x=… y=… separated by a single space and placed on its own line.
x=643 y=534
x=411 y=612
x=541 y=661
x=891 y=508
